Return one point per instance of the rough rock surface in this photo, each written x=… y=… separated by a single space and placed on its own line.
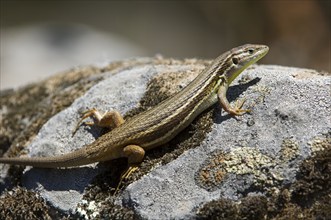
x=272 y=161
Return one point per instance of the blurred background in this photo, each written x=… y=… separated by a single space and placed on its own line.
x=39 y=38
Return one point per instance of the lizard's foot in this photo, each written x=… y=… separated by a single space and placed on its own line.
x=237 y=109
x=125 y=175
x=109 y=119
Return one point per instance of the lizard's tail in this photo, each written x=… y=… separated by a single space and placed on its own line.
x=76 y=158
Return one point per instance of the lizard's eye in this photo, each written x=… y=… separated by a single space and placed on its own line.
x=235 y=60
x=251 y=51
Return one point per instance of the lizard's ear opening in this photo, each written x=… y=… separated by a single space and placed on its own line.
x=235 y=60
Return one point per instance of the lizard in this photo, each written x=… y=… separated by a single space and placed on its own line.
x=158 y=125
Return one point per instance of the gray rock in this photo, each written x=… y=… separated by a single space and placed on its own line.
x=249 y=155
x=236 y=155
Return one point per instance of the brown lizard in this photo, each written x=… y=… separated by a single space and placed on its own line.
x=160 y=124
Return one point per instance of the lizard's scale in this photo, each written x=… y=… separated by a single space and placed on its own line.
x=160 y=124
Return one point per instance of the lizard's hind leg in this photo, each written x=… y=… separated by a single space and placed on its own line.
x=135 y=155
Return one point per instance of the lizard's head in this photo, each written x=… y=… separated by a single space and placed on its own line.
x=239 y=58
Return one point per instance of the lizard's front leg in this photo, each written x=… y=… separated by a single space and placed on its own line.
x=237 y=109
x=111 y=119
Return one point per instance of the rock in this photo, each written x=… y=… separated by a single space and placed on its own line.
x=291 y=115
x=244 y=161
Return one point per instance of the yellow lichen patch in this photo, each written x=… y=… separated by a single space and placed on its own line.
x=239 y=161
x=319 y=143
x=246 y=160
x=289 y=149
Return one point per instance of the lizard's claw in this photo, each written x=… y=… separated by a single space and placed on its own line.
x=86 y=114
x=237 y=109
x=125 y=175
